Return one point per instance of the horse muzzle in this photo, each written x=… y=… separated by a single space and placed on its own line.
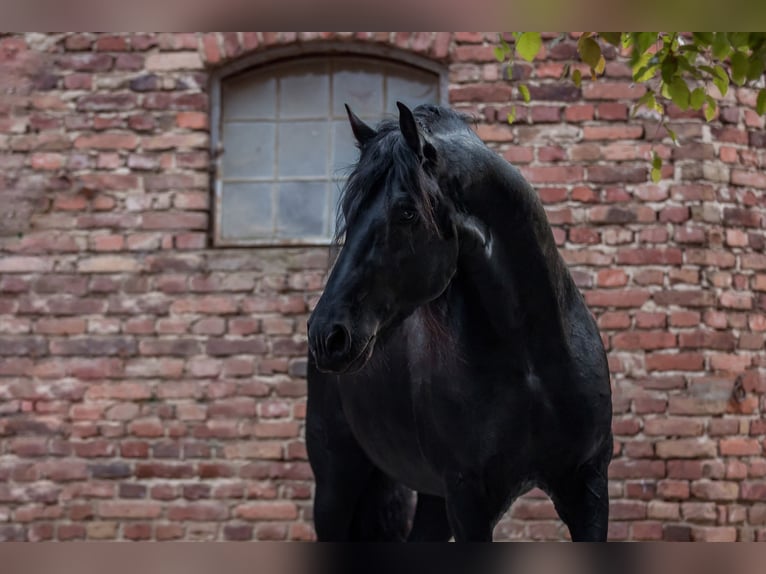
x=335 y=350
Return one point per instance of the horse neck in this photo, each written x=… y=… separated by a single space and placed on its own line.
x=520 y=278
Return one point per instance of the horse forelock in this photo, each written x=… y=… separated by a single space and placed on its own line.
x=388 y=162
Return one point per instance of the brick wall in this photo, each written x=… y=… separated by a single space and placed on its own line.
x=152 y=387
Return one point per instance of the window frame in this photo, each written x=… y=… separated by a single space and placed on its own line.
x=286 y=54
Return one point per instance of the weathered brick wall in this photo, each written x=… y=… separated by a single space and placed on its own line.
x=151 y=387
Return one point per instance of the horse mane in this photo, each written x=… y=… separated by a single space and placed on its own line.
x=388 y=160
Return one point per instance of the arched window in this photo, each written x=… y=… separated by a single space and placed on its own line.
x=283 y=143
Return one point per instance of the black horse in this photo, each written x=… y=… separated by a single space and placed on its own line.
x=451 y=352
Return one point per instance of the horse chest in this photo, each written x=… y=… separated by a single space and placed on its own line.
x=421 y=422
x=381 y=416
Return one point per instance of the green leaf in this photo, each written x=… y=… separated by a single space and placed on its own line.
x=601 y=66
x=524 y=90
x=755 y=67
x=739 y=65
x=668 y=69
x=679 y=92
x=697 y=98
x=577 y=77
x=611 y=37
x=687 y=63
x=646 y=100
x=499 y=53
x=512 y=115
x=640 y=67
x=710 y=108
x=738 y=39
x=643 y=40
x=689 y=48
x=703 y=38
x=721 y=46
x=528 y=45
x=721 y=79
x=590 y=51
x=672 y=134
x=656 y=167
x=760 y=103
x=645 y=74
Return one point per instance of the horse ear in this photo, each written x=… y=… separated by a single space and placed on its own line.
x=362 y=132
x=409 y=128
x=429 y=153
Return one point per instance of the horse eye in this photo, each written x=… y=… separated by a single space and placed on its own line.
x=407 y=215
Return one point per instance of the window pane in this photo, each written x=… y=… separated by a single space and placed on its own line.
x=410 y=87
x=359 y=86
x=304 y=91
x=250 y=97
x=246 y=210
x=335 y=189
x=248 y=150
x=344 y=150
x=302 y=209
x=303 y=149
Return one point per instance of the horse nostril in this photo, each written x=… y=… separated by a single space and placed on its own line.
x=338 y=342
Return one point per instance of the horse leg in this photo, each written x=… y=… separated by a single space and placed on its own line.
x=582 y=502
x=470 y=515
x=352 y=498
x=383 y=510
x=430 y=523
x=340 y=467
x=340 y=482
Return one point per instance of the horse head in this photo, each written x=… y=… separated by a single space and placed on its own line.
x=401 y=243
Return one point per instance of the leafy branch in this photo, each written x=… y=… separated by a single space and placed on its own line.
x=675 y=67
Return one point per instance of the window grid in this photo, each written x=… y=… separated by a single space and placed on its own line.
x=332 y=179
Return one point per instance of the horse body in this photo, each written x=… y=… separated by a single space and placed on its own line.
x=487 y=378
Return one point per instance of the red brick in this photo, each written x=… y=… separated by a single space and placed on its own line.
x=715 y=490
x=623 y=298
x=639 y=469
x=180 y=220
x=686 y=448
x=614 y=320
x=111 y=44
x=650 y=257
x=612 y=132
x=63 y=326
x=137 y=531
x=612 y=111
x=644 y=340
x=133 y=509
x=714 y=534
x=707 y=340
x=481 y=93
x=673 y=427
x=674 y=362
x=578 y=113
x=197 y=511
x=740 y=446
x=266 y=511
x=612 y=91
